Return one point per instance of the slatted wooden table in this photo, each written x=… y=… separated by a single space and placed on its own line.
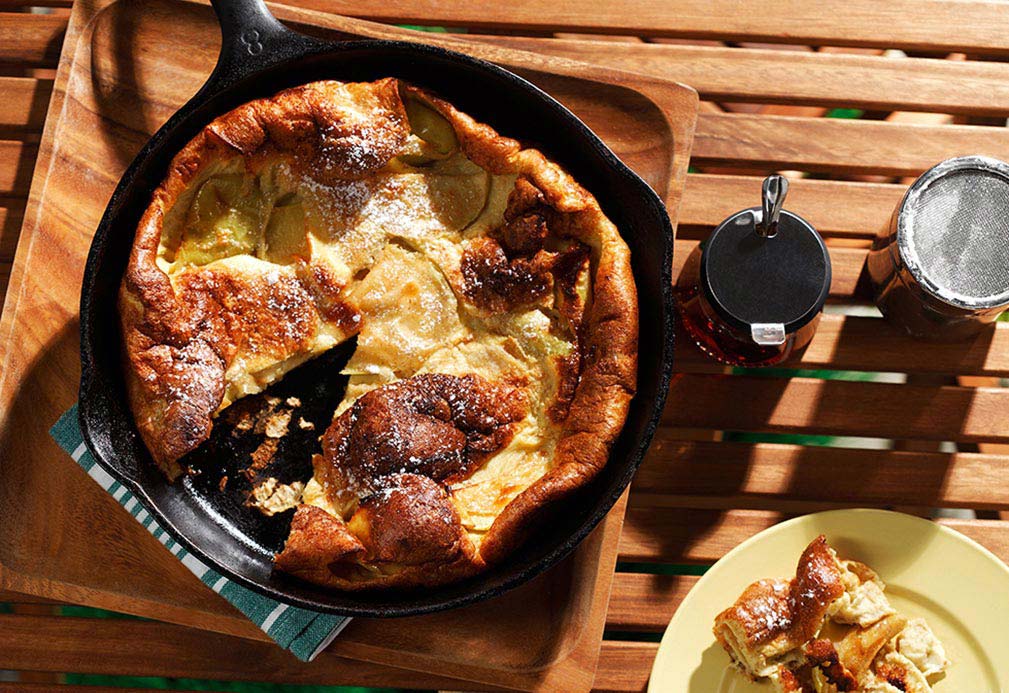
x=929 y=80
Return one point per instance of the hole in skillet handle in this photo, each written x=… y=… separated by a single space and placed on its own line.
x=625 y=198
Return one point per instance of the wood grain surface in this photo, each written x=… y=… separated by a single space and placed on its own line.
x=744 y=474
x=914 y=24
x=836 y=145
x=834 y=208
x=767 y=78
x=826 y=79
x=836 y=407
x=108 y=98
x=149 y=648
x=703 y=535
x=852 y=343
x=31 y=39
x=24 y=102
x=720 y=73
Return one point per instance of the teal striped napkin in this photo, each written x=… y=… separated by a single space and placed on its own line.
x=305 y=633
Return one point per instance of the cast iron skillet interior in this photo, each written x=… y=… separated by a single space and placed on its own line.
x=260 y=57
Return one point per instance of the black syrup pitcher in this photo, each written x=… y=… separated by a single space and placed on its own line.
x=753 y=292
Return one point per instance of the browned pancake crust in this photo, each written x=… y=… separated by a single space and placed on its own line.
x=178 y=343
x=786 y=613
x=438 y=426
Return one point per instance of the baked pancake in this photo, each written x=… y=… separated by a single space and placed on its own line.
x=492 y=303
x=829 y=629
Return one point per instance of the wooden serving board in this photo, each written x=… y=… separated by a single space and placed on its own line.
x=124 y=69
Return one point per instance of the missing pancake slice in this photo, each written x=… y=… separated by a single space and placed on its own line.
x=491 y=299
x=829 y=629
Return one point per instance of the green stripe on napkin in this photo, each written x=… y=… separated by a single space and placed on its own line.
x=305 y=633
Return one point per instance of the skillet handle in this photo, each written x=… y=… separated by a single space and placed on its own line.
x=251 y=39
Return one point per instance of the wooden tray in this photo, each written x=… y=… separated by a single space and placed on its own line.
x=123 y=71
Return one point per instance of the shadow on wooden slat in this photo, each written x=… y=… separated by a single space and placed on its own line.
x=806 y=475
x=13 y=213
x=49 y=30
x=863 y=286
x=11 y=217
x=30 y=129
x=675 y=546
x=24 y=166
x=847 y=485
x=55 y=44
x=39 y=104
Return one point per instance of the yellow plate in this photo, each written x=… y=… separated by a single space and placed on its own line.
x=958 y=586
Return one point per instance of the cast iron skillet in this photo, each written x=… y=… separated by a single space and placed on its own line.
x=259 y=57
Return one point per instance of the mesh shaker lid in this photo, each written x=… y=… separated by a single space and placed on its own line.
x=751 y=279
x=953 y=231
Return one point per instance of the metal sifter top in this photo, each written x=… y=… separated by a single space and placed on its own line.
x=765 y=270
x=953 y=232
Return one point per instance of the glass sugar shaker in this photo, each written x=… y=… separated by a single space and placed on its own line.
x=753 y=292
x=940 y=271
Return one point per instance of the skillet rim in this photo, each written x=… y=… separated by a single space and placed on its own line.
x=407 y=602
